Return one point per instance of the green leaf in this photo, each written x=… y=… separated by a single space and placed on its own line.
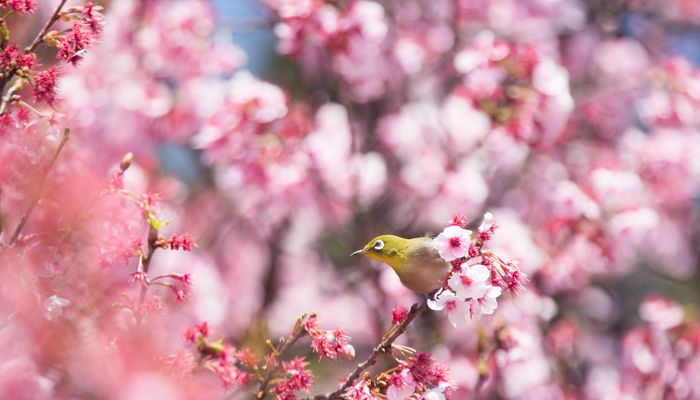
x=156 y=223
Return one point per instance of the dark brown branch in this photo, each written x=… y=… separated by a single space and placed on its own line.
x=152 y=246
x=35 y=200
x=270 y=281
x=383 y=347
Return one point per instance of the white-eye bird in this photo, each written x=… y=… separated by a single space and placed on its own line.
x=416 y=261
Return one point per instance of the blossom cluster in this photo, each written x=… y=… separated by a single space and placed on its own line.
x=239 y=368
x=352 y=37
x=23 y=66
x=478 y=277
x=418 y=374
x=222 y=359
x=19 y=6
x=326 y=343
x=511 y=86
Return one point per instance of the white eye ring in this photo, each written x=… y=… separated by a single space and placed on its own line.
x=378 y=245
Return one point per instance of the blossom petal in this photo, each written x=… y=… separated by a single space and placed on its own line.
x=493 y=291
x=435 y=305
x=479 y=273
x=457 y=317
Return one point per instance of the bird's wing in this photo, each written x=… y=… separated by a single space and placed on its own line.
x=423 y=252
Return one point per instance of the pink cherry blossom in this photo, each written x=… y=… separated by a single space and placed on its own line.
x=359 y=391
x=453 y=242
x=402 y=386
x=398 y=315
x=436 y=393
x=487 y=222
x=45 y=85
x=485 y=305
x=455 y=308
x=661 y=312
x=20 y=6
x=329 y=344
x=472 y=283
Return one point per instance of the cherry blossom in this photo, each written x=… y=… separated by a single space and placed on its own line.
x=661 y=312
x=485 y=305
x=19 y=6
x=472 y=288
x=453 y=242
x=401 y=386
x=436 y=393
x=487 y=222
x=329 y=344
x=472 y=283
x=455 y=308
x=398 y=315
x=298 y=378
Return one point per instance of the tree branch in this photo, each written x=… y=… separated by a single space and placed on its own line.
x=33 y=203
x=10 y=94
x=146 y=263
x=39 y=37
x=383 y=347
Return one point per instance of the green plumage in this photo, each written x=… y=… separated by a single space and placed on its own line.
x=416 y=261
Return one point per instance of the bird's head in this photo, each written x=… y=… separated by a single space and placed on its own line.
x=389 y=249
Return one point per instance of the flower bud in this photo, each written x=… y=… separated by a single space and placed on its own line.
x=126 y=161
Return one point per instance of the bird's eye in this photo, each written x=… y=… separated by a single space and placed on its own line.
x=378 y=245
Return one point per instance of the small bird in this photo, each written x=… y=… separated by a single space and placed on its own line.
x=416 y=261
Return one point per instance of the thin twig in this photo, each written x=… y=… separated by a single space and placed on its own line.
x=383 y=347
x=33 y=203
x=146 y=262
x=10 y=94
x=54 y=17
x=483 y=349
x=479 y=384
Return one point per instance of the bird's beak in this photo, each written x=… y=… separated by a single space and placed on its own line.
x=361 y=251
